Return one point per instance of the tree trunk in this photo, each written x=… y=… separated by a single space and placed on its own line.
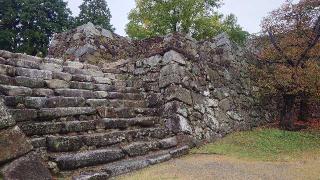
x=304 y=112
x=287 y=112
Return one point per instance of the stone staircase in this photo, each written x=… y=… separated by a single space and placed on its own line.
x=86 y=123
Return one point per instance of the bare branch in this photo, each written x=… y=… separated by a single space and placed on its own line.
x=274 y=43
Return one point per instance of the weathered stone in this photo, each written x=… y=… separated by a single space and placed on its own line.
x=158 y=158
x=178 y=93
x=81 y=85
x=82 y=78
x=95 y=73
x=15 y=90
x=65 y=102
x=61 y=76
x=36 y=102
x=64 y=144
x=153 y=61
x=171 y=56
x=13 y=144
x=74 y=64
x=225 y=104
x=102 y=80
x=75 y=93
x=29 y=82
x=7 y=70
x=86 y=49
x=104 y=139
x=51 y=67
x=23 y=114
x=98 y=102
x=6 y=119
x=38 y=142
x=101 y=94
x=34 y=73
x=90 y=158
x=168 y=143
x=139 y=148
x=179 y=151
x=92 y=176
x=42 y=92
x=57 y=84
x=62 y=112
x=125 y=166
x=13 y=101
x=30 y=167
x=7 y=80
x=23 y=63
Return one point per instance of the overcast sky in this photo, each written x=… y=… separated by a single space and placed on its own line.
x=248 y=12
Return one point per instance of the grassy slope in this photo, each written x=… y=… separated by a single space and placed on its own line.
x=267 y=145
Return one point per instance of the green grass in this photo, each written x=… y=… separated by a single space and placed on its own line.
x=266 y=145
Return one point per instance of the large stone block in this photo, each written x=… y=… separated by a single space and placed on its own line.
x=81 y=85
x=90 y=158
x=7 y=70
x=29 y=82
x=139 y=148
x=62 y=112
x=30 y=167
x=19 y=62
x=36 y=102
x=75 y=93
x=65 y=102
x=51 y=67
x=34 y=73
x=102 y=80
x=178 y=93
x=15 y=90
x=64 y=144
x=57 y=84
x=6 y=119
x=173 y=56
x=13 y=144
x=23 y=114
x=82 y=78
x=61 y=76
x=42 y=92
x=7 y=80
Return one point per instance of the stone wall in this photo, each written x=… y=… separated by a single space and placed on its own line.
x=143 y=102
x=204 y=88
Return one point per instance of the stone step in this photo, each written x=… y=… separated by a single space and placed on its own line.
x=128 y=165
x=128 y=96
x=107 y=112
x=69 y=143
x=46 y=128
x=123 y=123
x=69 y=161
x=88 y=158
x=116 y=103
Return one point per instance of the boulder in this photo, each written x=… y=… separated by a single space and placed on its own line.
x=30 y=167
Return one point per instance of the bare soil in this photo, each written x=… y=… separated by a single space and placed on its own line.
x=204 y=167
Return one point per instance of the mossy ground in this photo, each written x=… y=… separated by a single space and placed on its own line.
x=257 y=154
x=266 y=145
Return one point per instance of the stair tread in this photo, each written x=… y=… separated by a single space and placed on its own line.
x=127 y=165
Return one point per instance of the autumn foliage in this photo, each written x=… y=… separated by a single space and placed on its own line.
x=289 y=56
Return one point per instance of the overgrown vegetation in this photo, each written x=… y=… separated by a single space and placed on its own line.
x=266 y=144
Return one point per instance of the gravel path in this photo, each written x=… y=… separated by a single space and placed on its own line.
x=205 y=167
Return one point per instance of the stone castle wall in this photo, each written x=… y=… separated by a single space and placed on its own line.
x=153 y=98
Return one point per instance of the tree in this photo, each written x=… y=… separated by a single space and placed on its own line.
x=290 y=55
x=197 y=18
x=28 y=25
x=97 y=12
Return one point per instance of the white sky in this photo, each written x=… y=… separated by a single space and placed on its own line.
x=248 y=12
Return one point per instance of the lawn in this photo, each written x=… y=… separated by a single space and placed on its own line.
x=266 y=145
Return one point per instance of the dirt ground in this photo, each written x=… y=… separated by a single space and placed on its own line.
x=204 y=167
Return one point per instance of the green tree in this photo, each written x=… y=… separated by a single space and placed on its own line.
x=197 y=18
x=28 y=25
x=95 y=11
